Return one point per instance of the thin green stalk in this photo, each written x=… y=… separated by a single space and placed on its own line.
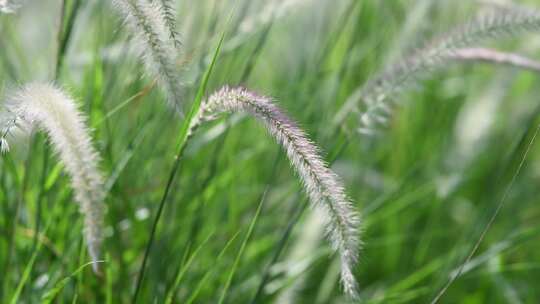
x=79 y=277
x=184 y=137
x=60 y=37
x=207 y=273
x=43 y=181
x=242 y=247
x=170 y=294
x=491 y=220
x=252 y=60
x=49 y=296
x=297 y=212
x=126 y=102
x=13 y=229
x=64 y=35
x=27 y=271
x=108 y=280
x=212 y=170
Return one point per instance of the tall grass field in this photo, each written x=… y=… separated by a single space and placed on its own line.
x=269 y=151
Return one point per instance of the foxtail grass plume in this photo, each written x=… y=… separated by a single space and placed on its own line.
x=168 y=14
x=51 y=110
x=322 y=186
x=378 y=93
x=496 y=57
x=151 y=22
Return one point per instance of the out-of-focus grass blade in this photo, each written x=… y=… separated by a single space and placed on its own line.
x=53 y=176
x=241 y=251
x=27 y=270
x=126 y=157
x=49 y=296
x=108 y=278
x=146 y=90
x=195 y=108
x=207 y=274
x=515 y=239
x=172 y=290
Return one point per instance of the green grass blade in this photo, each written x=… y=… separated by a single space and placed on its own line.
x=207 y=274
x=182 y=272
x=27 y=271
x=108 y=279
x=49 y=296
x=184 y=132
x=241 y=251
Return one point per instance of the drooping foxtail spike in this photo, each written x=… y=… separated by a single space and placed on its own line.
x=51 y=110
x=323 y=187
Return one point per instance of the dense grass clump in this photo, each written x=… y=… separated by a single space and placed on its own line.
x=181 y=189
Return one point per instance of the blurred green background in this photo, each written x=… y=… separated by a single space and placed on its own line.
x=426 y=186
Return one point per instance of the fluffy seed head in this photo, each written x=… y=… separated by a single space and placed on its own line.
x=158 y=42
x=496 y=57
x=168 y=16
x=49 y=109
x=379 y=91
x=322 y=186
